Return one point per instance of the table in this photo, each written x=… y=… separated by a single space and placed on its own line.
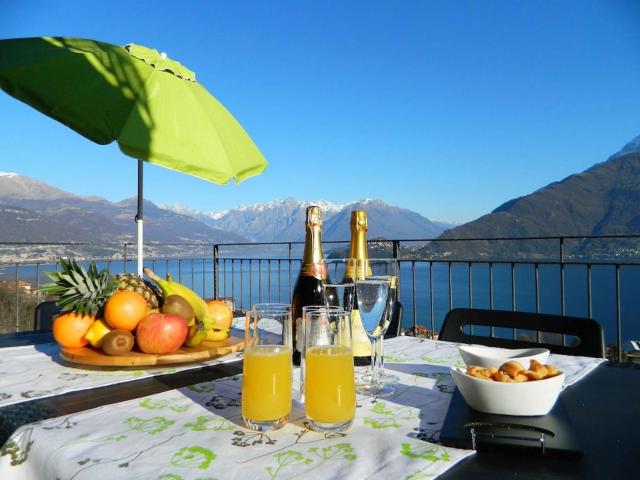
x=605 y=408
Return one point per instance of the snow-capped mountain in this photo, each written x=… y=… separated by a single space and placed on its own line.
x=283 y=220
x=33 y=211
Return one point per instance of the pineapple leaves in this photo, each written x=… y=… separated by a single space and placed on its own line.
x=80 y=290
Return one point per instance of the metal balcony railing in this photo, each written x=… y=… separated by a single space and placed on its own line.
x=588 y=276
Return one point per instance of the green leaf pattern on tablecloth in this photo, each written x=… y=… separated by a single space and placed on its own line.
x=397 y=358
x=175 y=404
x=428 y=452
x=202 y=387
x=151 y=403
x=298 y=464
x=193 y=457
x=452 y=360
x=149 y=425
x=389 y=415
x=211 y=423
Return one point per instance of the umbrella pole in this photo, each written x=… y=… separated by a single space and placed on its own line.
x=139 y=216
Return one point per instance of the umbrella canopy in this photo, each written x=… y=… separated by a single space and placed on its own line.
x=151 y=105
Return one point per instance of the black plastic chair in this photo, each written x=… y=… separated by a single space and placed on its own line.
x=587 y=331
x=396 y=320
x=43 y=317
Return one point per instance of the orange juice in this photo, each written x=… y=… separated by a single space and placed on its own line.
x=266 y=382
x=330 y=394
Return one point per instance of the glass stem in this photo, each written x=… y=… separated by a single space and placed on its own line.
x=380 y=354
x=374 y=362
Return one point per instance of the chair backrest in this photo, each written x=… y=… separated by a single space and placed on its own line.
x=43 y=317
x=396 y=320
x=587 y=331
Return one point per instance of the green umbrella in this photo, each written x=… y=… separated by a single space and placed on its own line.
x=151 y=105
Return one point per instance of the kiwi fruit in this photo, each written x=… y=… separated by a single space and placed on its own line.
x=176 y=305
x=117 y=342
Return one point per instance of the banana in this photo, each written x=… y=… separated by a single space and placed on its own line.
x=195 y=336
x=171 y=287
x=217 y=335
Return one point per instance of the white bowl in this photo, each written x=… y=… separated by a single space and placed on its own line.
x=522 y=399
x=491 y=357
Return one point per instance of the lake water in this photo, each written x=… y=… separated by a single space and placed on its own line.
x=252 y=281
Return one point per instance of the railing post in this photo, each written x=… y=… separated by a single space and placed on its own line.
x=38 y=294
x=562 y=302
x=289 y=280
x=618 y=314
x=17 y=297
x=395 y=249
x=216 y=287
x=124 y=258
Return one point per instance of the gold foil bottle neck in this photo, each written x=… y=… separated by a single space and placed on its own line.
x=358 y=246
x=313 y=258
x=359 y=220
x=314 y=217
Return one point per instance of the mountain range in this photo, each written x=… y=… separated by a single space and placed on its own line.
x=32 y=211
x=602 y=200
x=283 y=220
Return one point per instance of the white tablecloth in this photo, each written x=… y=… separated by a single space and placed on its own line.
x=197 y=432
x=37 y=371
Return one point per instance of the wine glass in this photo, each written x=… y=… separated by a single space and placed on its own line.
x=339 y=293
x=384 y=377
x=372 y=296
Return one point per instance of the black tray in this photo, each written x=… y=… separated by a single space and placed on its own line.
x=548 y=435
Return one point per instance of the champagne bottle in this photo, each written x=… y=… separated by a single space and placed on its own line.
x=308 y=288
x=358 y=254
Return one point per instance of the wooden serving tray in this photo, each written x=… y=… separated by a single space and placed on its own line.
x=205 y=351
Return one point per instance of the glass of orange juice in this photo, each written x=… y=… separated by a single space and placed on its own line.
x=330 y=392
x=266 y=373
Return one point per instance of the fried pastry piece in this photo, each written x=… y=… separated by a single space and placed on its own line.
x=500 y=377
x=552 y=371
x=520 y=377
x=537 y=367
x=511 y=368
x=473 y=369
x=479 y=372
x=531 y=375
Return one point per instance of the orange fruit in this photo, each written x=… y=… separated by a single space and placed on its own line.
x=221 y=314
x=124 y=310
x=69 y=329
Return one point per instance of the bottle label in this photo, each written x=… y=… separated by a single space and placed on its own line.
x=317 y=270
x=360 y=341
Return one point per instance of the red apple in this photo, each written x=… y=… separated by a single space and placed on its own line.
x=161 y=333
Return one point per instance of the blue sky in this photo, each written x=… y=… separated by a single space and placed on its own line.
x=448 y=108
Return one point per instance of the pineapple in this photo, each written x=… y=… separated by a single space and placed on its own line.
x=133 y=283
x=79 y=290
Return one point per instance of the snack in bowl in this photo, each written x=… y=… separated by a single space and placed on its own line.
x=513 y=371
x=510 y=389
x=493 y=357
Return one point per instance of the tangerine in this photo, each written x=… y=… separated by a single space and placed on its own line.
x=124 y=310
x=221 y=314
x=69 y=329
